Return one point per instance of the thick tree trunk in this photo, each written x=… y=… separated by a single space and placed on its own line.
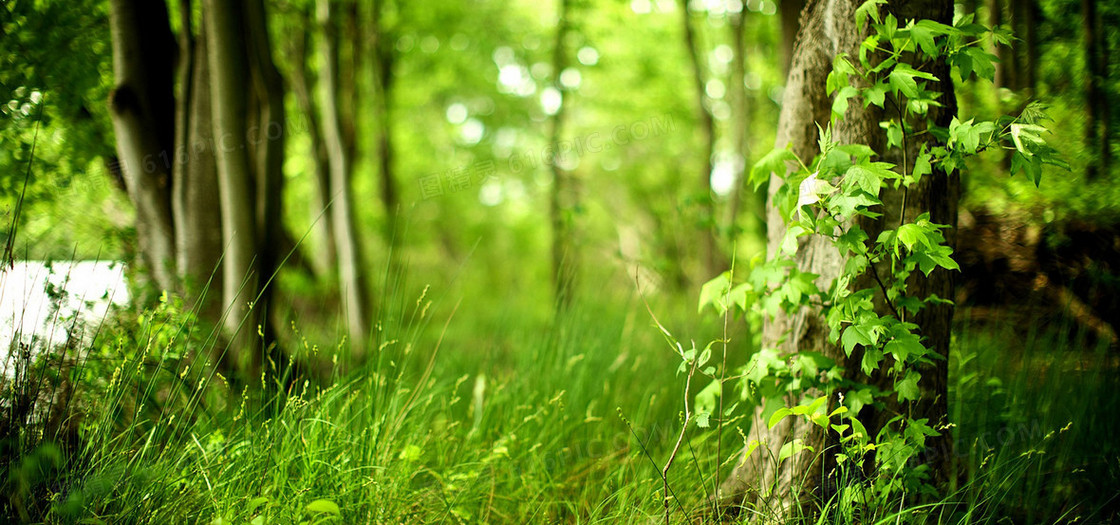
x=195 y=187
x=142 y=106
x=791 y=22
x=828 y=29
x=226 y=47
x=709 y=250
x=350 y=271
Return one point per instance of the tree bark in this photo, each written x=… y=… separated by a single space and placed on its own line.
x=226 y=47
x=791 y=22
x=828 y=29
x=195 y=186
x=142 y=106
x=350 y=271
x=709 y=249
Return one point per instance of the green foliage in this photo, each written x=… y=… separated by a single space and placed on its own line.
x=822 y=198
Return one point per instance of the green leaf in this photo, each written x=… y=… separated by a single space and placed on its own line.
x=876 y=94
x=778 y=416
x=907 y=388
x=791 y=448
x=857 y=399
x=714 y=292
x=855 y=335
x=903 y=347
x=774 y=162
x=323 y=506
x=866 y=9
x=750 y=448
x=702 y=419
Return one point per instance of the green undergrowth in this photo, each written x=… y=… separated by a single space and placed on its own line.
x=491 y=412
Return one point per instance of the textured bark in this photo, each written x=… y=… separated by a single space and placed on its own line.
x=351 y=276
x=791 y=22
x=226 y=48
x=828 y=29
x=195 y=187
x=143 y=111
x=709 y=250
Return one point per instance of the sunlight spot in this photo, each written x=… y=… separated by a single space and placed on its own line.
x=471 y=131
x=587 y=56
x=723 y=53
x=460 y=42
x=541 y=70
x=405 y=43
x=430 y=44
x=551 y=100
x=503 y=56
x=715 y=88
x=752 y=81
x=490 y=194
x=570 y=78
x=722 y=176
x=721 y=110
x=456 y=113
x=768 y=7
x=640 y=7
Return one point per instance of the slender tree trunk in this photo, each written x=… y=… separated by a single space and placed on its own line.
x=267 y=138
x=829 y=29
x=564 y=257
x=195 y=188
x=350 y=270
x=1096 y=103
x=302 y=81
x=1024 y=14
x=385 y=61
x=739 y=122
x=142 y=106
x=709 y=248
x=226 y=47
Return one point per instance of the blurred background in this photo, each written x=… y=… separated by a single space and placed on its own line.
x=530 y=173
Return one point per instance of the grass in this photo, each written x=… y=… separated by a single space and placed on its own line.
x=492 y=413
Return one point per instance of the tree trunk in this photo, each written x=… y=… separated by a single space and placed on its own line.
x=350 y=270
x=561 y=199
x=267 y=138
x=385 y=60
x=226 y=46
x=195 y=187
x=1096 y=103
x=709 y=250
x=301 y=85
x=829 y=29
x=142 y=106
x=739 y=122
x=791 y=21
